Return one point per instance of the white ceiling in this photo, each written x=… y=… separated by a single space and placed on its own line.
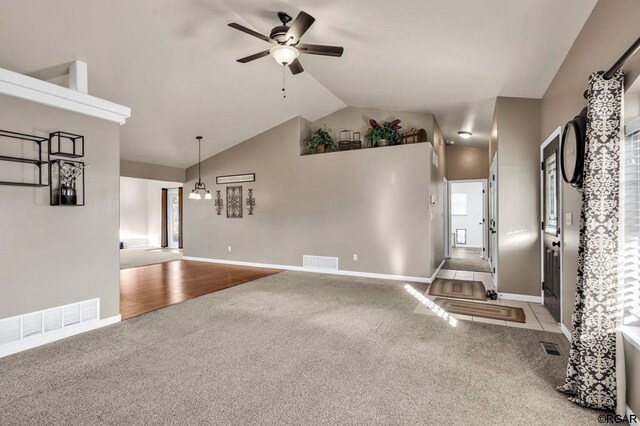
x=173 y=62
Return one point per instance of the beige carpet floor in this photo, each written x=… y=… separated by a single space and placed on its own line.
x=292 y=348
x=134 y=257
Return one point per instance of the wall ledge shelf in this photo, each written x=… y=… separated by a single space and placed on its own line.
x=42 y=92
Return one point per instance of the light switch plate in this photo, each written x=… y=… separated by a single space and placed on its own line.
x=568 y=219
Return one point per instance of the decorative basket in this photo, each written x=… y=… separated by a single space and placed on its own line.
x=356 y=143
x=344 y=142
x=414 y=136
x=344 y=145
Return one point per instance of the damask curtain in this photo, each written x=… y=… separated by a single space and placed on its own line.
x=591 y=371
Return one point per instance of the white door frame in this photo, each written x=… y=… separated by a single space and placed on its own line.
x=485 y=211
x=493 y=171
x=445 y=204
x=557 y=133
x=170 y=218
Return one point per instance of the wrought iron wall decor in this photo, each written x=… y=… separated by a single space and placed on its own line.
x=66 y=179
x=234 y=202
x=219 y=203
x=37 y=159
x=64 y=144
x=251 y=202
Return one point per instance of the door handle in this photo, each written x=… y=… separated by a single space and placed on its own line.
x=556 y=244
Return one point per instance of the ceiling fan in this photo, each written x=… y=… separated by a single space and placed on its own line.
x=286 y=42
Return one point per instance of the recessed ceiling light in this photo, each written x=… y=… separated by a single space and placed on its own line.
x=451 y=142
x=464 y=135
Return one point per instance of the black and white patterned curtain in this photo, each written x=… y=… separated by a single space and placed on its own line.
x=591 y=372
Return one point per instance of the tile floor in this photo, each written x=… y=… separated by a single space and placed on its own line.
x=466 y=252
x=537 y=315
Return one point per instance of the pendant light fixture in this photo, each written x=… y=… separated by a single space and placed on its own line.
x=200 y=186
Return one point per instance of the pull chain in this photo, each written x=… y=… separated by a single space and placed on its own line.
x=284 y=92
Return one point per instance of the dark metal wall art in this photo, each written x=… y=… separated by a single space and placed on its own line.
x=219 y=203
x=251 y=202
x=234 y=202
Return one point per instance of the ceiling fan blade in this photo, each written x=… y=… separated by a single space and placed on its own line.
x=299 y=26
x=251 y=32
x=253 y=57
x=318 y=49
x=296 y=67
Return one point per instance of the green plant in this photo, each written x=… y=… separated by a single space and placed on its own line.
x=387 y=131
x=320 y=137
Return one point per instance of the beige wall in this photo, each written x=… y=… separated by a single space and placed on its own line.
x=466 y=162
x=369 y=202
x=51 y=256
x=135 y=169
x=436 y=188
x=611 y=28
x=518 y=129
x=133 y=212
x=141 y=211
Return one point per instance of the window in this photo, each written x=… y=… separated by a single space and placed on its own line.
x=551 y=181
x=630 y=209
x=459 y=204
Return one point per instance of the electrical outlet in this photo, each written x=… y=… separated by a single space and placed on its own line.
x=355 y=257
x=229 y=249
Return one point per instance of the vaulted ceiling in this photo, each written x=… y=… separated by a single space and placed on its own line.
x=173 y=62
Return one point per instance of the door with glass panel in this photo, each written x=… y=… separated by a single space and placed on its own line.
x=551 y=228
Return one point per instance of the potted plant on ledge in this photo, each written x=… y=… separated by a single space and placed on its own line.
x=320 y=141
x=383 y=134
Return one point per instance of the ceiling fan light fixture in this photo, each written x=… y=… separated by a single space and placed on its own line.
x=283 y=54
x=464 y=134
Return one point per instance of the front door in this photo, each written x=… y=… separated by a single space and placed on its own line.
x=551 y=228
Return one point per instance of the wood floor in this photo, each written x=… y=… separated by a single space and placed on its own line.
x=152 y=287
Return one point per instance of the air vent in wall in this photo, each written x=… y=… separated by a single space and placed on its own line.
x=42 y=322
x=320 y=262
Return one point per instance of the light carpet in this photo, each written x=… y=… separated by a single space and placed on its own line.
x=134 y=257
x=292 y=348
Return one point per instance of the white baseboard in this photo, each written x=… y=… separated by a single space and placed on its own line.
x=566 y=332
x=520 y=297
x=318 y=271
x=433 y=277
x=630 y=413
x=32 y=342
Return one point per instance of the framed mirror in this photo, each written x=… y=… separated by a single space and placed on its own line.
x=572 y=150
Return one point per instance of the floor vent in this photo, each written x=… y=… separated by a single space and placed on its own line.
x=40 y=323
x=551 y=348
x=320 y=262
